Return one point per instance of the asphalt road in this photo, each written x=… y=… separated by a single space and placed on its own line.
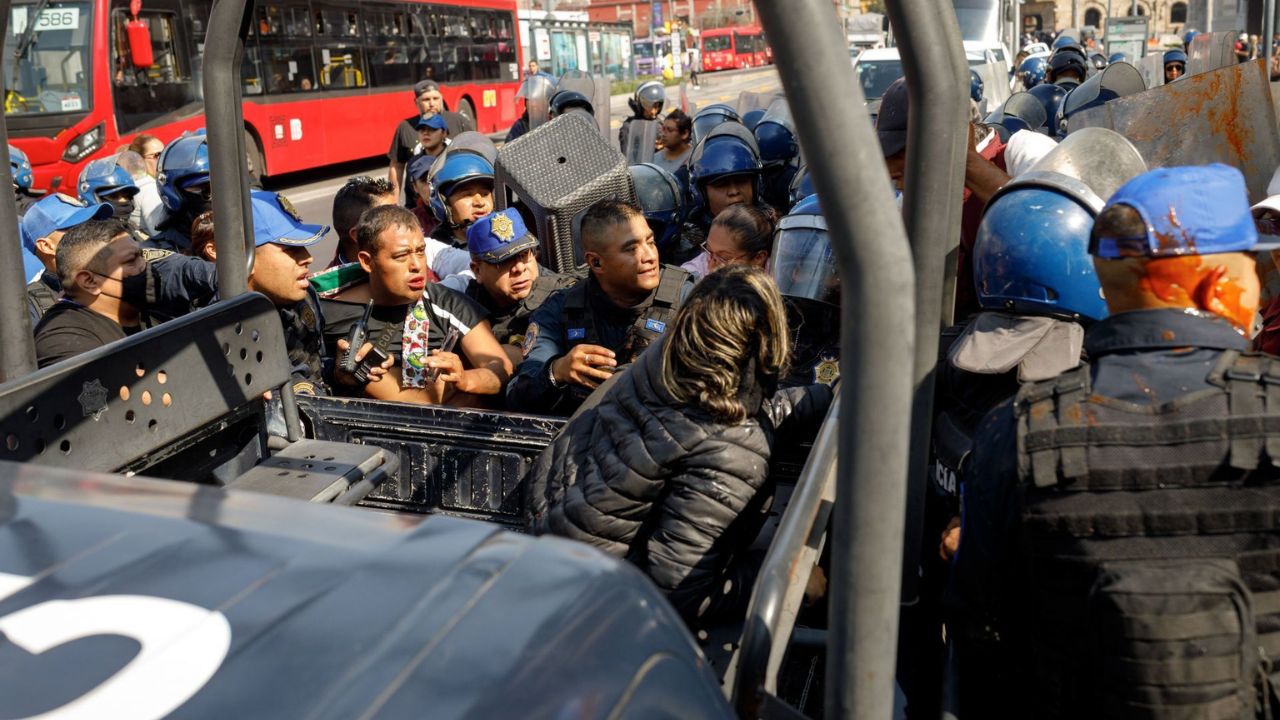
x=312 y=192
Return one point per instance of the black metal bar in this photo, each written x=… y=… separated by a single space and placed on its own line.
x=17 y=346
x=937 y=142
x=224 y=121
x=878 y=304
x=771 y=616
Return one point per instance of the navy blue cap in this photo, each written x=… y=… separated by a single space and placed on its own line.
x=891 y=122
x=434 y=121
x=58 y=212
x=420 y=166
x=276 y=222
x=499 y=236
x=1197 y=210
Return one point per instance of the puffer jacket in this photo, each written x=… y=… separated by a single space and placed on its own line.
x=665 y=486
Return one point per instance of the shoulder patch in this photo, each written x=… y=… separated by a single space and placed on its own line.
x=655 y=325
x=577 y=333
x=150 y=255
x=530 y=337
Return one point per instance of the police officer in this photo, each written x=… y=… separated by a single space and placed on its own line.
x=566 y=101
x=41 y=228
x=779 y=152
x=1117 y=517
x=1068 y=66
x=662 y=201
x=1050 y=96
x=805 y=271
x=724 y=170
x=107 y=181
x=646 y=104
x=581 y=335
x=709 y=117
x=20 y=171
x=508 y=281
x=185 y=190
x=461 y=193
x=1175 y=65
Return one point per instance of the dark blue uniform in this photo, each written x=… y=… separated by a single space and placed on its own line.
x=1144 y=358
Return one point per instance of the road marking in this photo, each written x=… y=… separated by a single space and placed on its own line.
x=327 y=190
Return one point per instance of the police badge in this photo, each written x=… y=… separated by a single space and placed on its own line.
x=502 y=227
x=827 y=371
x=288 y=207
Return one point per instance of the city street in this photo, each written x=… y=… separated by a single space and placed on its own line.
x=312 y=192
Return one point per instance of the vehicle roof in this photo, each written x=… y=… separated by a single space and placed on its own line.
x=336 y=612
x=879 y=54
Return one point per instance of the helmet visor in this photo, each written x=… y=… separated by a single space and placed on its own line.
x=803 y=265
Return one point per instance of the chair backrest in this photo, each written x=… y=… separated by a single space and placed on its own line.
x=106 y=408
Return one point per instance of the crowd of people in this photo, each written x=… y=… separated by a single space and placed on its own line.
x=1101 y=495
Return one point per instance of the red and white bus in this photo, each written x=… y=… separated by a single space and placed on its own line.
x=324 y=81
x=733 y=48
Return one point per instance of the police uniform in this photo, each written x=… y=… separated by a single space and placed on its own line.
x=1118 y=552
x=495 y=239
x=42 y=294
x=172 y=236
x=815 y=342
x=584 y=314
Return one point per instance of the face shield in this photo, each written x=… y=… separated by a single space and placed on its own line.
x=802 y=263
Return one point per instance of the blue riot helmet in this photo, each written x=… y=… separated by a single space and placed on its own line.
x=975 y=86
x=1032 y=72
x=20 y=169
x=1175 y=64
x=451 y=169
x=802 y=263
x=775 y=135
x=1116 y=81
x=1117 y=57
x=728 y=150
x=1063 y=41
x=801 y=186
x=107 y=180
x=751 y=118
x=1031 y=254
x=709 y=117
x=1066 y=62
x=661 y=199
x=183 y=164
x=566 y=100
x=1187 y=37
x=1050 y=96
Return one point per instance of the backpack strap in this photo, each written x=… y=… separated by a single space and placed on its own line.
x=1042 y=408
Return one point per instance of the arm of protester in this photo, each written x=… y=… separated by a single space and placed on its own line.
x=490 y=366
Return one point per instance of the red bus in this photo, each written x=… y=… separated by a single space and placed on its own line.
x=734 y=48
x=324 y=81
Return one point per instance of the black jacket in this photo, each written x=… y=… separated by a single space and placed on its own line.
x=667 y=487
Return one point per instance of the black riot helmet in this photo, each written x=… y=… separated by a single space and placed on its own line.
x=661 y=199
x=1050 y=96
x=1068 y=59
x=649 y=97
x=566 y=100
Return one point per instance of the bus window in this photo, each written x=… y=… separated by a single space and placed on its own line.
x=484 y=45
x=716 y=43
x=53 y=70
x=141 y=94
x=455 y=44
x=283 y=51
x=389 y=34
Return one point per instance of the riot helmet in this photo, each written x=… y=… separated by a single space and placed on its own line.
x=1099 y=61
x=20 y=169
x=1063 y=41
x=775 y=135
x=648 y=100
x=751 y=118
x=536 y=91
x=709 y=117
x=1022 y=111
x=567 y=100
x=801 y=186
x=1032 y=72
x=452 y=168
x=183 y=170
x=1187 y=37
x=1117 y=57
x=802 y=263
x=1066 y=62
x=1116 y=81
x=661 y=199
x=1050 y=96
x=1031 y=254
x=728 y=150
x=975 y=86
x=1175 y=65
x=107 y=180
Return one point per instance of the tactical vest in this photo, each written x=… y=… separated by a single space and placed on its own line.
x=40 y=297
x=510 y=330
x=580 y=321
x=1150 y=543
x=305 y=343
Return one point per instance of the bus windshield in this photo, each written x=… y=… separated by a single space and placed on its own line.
x=875 y=76
x=643 y=49
x=718 y=43
x=46 y=58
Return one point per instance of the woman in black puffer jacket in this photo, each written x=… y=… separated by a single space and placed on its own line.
x=670 y=468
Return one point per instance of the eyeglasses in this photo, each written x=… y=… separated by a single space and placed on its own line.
x=204 y=191
x=723 y=259
x=151 y=156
